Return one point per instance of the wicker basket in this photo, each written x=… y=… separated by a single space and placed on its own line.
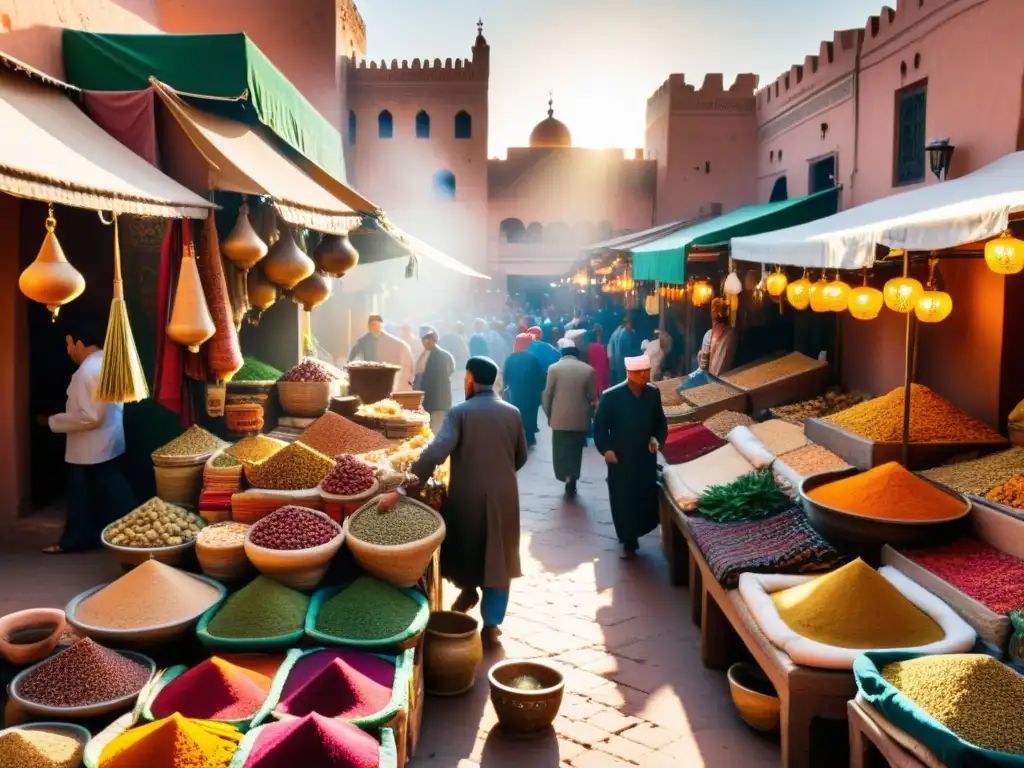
x=298 y=569
x=411 y=401
x=181 y=461
x=372 y=383
x=223 y=563
x=179 y=485
x=221 y=479
x=402 y=565
x=307 y=399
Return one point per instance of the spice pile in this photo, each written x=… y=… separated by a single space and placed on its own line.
x=350 y=477
x=226 y=461
x=404 y=523
x=292 y=528
x=708 y=394
x=155 y=524
x=812 y=459
x=295 y=467
x=309 y=370
x=151 y=595
x=818 y=407
x=932 y=419
x=256 y=370
x=978 y=476
x=214 y=690
x=261 y=609
x=993 y=578
x=725 y=422
x=333 y=434
x=313 y=740
x=1010 y=493
x=226 y=535
x=855 y=607
x=973 y=695
x=367 y=609
x=669 y=389
x=194 y=441
x=779 y=436
x=338 y=683
x=82 y=675
x=759 y=375
x=678 y=411
x=255 y=448
x=40 y=748
x=174 y=742
x=751 y=497
x=889 y=492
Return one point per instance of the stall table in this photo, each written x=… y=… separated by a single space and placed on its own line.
x=871 y=746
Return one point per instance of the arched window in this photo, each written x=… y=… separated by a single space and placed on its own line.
x=463 y=125
x=513 y=230
x=780 y=191
x=422 y=125
x=444 y=185
x=351 y=127
x=535 y=232
x=385 y=125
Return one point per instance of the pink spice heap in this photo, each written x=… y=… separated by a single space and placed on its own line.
x=311 y=741
x=993 y=578
x=338 y=683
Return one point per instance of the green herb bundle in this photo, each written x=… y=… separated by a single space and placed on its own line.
x=752 y=497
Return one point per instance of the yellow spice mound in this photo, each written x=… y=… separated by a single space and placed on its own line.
x=855 y=607
x=932 y=419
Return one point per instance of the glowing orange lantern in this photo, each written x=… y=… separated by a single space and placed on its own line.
x=798 y=293
x=837 y=295
x=901 y=294
x=933 y=306
x=816 y=294
x=776 y=283
x=702 y=293
x=1005 y=254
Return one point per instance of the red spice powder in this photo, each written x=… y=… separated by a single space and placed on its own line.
x=313 y=740
x=993 y=578
x=687 y=442
x=213 y=690
x=338 y=683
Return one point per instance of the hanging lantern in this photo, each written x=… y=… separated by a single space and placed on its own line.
x=901 y=294
x=313 y=291
x=50 y=279
x=243 y=247
x=191 y=323
x=262 y=294
x=1005 y=254
x=934 y=306
x=865 y=302
x=837 y=295
x=336 y=255
x=286 y=265
x=651 y=305
x=799 y=293
x=733 y=286
x=702 y=293
x=776 y=283
x=816 y=295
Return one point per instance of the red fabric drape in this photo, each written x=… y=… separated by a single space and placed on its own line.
x=128 y=116
x=171 y=389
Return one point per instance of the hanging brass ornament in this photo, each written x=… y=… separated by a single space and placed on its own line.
x=336 y=255
x=191 y=323
x=50 y=279
x=262 y=294
x=313 y=291
x=243 y=247
x=286 y=265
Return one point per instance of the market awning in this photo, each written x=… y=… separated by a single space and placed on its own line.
x=241 y=160
x=628 y=241
x=664 y=259
x=419 y=248
x=51 y=151
x=966 y=210
x=228 y=71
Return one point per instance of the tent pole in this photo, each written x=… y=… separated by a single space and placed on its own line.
x=907 y=374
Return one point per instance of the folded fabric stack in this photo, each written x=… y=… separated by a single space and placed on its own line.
x=687 y=442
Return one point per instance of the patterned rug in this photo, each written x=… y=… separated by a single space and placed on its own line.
x=687 y=442
x=785 y=543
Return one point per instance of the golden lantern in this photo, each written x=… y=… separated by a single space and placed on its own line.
x=934 y=306
x=191 y=323
x=243 y=247
x=901 y=294
x=816 y=295
x=702 y=293
x=313 y=291
x=837 y=295
x=1005 y=254
x=50 y=279
x=865 y=302
x=799 y=293
x=776 y=283
x=285 y=264
x=261 y=294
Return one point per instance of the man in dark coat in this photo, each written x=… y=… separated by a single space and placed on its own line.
x=456 y=344
x=568 y=399
x=485 y=440
x=433 y=377
x=629 y=426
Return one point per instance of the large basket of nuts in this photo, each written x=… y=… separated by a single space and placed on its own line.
x=395 y=545
x=294 y=546
x=155 y=531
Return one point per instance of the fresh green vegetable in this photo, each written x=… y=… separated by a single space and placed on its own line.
x=367 y=609
x=263 y=608
x=752 y=497
x=256 y=370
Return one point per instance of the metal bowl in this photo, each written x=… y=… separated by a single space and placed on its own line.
x=846 y=528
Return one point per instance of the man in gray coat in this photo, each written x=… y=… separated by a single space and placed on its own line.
x=570 y=394
x=485 y=439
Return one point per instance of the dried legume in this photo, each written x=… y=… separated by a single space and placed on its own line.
x=773 y=370
x=725 y=422
x=812 y=459
x=309 y=370
x=39 y=748
x=255 y=448
x=669 y=391
x=975 y=696
x=263 y=608
x=818 y=407
x=677 y=411
x=223 y=535
x=367 y=609
x=1010 y=493
x=979 y=476
x=155 y=524
x=291 y=528
x=333 y=434
x=83 y=674
x=993 y=578
x=706 y=394
x=350 y=477
x=254 y=369
x=295 y=467
x=226 y=460
x=193 y=441
x=404 y=523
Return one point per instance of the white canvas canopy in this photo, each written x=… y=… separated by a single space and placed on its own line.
x=966 y=210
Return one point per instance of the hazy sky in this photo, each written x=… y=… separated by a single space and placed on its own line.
x=603 y=58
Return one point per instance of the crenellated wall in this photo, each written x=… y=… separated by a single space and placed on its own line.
x=418 y=71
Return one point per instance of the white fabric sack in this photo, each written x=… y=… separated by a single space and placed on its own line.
x=750 y=447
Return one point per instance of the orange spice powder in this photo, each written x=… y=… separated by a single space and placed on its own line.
x=891 y=492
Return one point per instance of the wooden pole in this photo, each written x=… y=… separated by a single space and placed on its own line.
x=907 y=374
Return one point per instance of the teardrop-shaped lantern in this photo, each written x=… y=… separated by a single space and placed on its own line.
x=243 y=247
x=816 y=295
x=776 y=283
x=933 y=306
x=1005 y=254
x=799 y=293
x=286 y=265
x=191 y=323
x=313 y=291
x=50 y=279
x=651 y=305
x=262 y=294
x=837 y=295
x=733 y=286
x=336 y=255
x=901 y=294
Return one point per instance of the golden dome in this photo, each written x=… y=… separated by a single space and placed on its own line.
x=550 y=133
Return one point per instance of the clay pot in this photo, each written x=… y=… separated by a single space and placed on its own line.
x=452 y=653
x=285 y=264
x=313 y=291
x=262 y=294
x=243 y=246
x=336 y=255
x=28 y=636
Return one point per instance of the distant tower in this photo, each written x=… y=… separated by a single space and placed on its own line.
x=551 y=133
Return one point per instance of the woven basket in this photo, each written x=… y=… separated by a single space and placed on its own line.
x=402 y=565
x=181 y=461
x=225 y=479
x=306 y=399
x=223 y=563
x=298 y=569
x=411 y=401
x=179 y=485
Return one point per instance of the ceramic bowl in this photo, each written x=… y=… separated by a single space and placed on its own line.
x=35 y=632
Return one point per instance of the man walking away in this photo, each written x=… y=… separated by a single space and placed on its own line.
x=523 y=379
x=455 y=344
x=629 y=427
x=570 y=394
x=99 y=492
x=623 y=343
x=379 y=346
x=434 y=372
x=484 y=438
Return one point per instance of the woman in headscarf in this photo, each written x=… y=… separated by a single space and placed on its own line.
x=524 y=380
x=544 y=352
x=597 y=357
x=478 y=347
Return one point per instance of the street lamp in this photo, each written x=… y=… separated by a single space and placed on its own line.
x=940 y=157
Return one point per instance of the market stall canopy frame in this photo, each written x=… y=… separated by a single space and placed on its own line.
x=664 y=259
x=935 y=217
x=52 y=151
x=633 y=239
